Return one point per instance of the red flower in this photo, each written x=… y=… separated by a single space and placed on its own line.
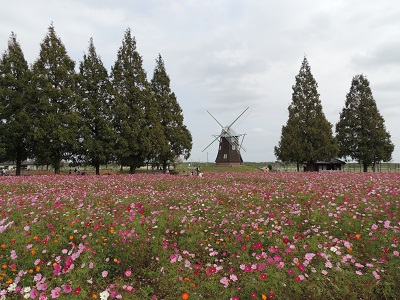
x=77 y=290
x=263 y=276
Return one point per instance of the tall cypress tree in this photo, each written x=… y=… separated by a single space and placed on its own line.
x=307 y=136
x=96 y=130
x=134 y=118
x=177 y=139
x=361 y=129
x=56 y=116
x=15 y=103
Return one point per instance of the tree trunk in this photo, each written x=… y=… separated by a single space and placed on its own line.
x=18 y=170
x=97 y=168
x=164 y=167
x=132 y=170
x=365 y=167
x=57 y=167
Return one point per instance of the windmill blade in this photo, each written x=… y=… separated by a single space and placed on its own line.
x=238 y=118
x=217 y=137
x=241 y=147
x=214 y=119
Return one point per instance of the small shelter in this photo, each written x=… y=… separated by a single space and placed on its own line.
x=322 y=166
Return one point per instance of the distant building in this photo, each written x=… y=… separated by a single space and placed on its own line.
x=12 y=165
x=321 y=166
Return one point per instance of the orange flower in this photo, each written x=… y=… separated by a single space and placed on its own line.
x=94 y=296
x=185 y=296
x=33 y=251
x=71 y=237
x=3 y=246
x=37 y=268
x=358 y=235
x=350 y=249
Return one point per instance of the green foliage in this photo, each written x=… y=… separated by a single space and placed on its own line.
x=15 y=102
x=55 y=118
x=176 y=139
x=361 y=129
x=132 y=107
x=307 y=135
x=96 y=130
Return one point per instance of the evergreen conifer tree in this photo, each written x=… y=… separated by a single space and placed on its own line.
x=134 y=113
x=15 y=105
x=96 y=130
x=56 y=115
x=177 y=139
x=307 y=136
x=361 y=131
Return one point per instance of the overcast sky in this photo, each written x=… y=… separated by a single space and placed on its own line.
x=226 y=55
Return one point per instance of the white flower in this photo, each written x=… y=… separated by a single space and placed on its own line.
x=333 y=249
x=27 y=289
x=104 y=295
x=12 y=287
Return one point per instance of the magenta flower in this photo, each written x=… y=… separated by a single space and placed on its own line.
x=128 y=273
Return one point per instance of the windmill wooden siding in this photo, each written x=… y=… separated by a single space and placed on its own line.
x=228 y=153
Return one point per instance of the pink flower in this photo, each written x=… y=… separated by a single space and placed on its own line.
x=66 y=288
x=386 y=224
x=224 y=281
x=13 y=254
x=128 y=273
x=56 y=292
x=396 y=253
x=42 y=296
x=33 y=294
x=233 y=277
x=104 y=274
x=377 y=276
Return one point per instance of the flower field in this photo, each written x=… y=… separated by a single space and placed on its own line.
x=223 y=236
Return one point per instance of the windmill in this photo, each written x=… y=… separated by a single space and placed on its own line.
x=230 y=144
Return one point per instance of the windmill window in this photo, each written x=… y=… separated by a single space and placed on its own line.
x=225 y=156
x=233 y=147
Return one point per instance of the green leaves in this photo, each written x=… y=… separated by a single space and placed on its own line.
x=307 y=136
x=50 y=113
x=15 y=105
x=361 y=130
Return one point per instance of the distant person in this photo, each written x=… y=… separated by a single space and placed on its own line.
x=198 y=171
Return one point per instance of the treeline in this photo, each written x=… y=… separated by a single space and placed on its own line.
x=51 y=112
x=360 y=132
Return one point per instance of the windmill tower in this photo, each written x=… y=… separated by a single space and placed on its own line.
x=230 y=144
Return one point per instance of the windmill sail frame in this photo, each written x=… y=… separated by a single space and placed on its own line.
x=230 y=143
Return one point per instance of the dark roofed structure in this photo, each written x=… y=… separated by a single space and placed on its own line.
x=321 y=166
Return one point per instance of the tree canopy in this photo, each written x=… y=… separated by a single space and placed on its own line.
x=15 y=105
x=96 y=135
x=176 y=139
x=361 y=131
x=307 y=136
